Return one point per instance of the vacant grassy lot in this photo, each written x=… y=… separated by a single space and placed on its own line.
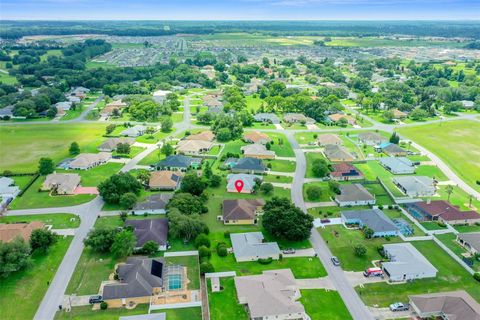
x=455 y=142
x=92 y=177
x=22 y=291
x=281 y=165
x=326 y=194
x=311 y=156
x=28 y=143
x=57 y=220
x=152 y=158
x=342 y=247
x=324 y=305
x=280 y=145
x=218 y=301
x=451 y=276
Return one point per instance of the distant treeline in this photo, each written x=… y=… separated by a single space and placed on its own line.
x=449 y=29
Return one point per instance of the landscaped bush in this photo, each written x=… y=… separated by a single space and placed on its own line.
x=380 y=207
x=265 y=261
x=222 y=249
x=202 y=240
x=476 y=276
x=226 y=234
x=206 y=267
x=441 y=224
x=204 y=252
x=103 y=305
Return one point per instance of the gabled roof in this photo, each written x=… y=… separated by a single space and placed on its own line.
x=193 y=145
x=272 y=117
x=455 y=305
x=241 y=209
x=269 y=294
x=150 y=230
x=398 y=164
x=250 y=244
x=445 y=210
x=9 y=231
x=256 y=137
x=406 y=259
x=111 y=143
x=63 y=182
x=257 y=149
x=204 y=136
x=472 y=238
x=177 y=161
x=353 y=192
x=375 y=219
x=249 y=164
x=164 y=179
x=89 y=159
x=393 y=148
x=415 y=183
x=248 y=180
x=338 y=152
x=329 y=138
x=370 y=136
x=154 y=202
x=345 y=169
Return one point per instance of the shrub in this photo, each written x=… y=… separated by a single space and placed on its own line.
x=222 y=251
x=441 y=224
x=204 y=252
x=103 y=305
x=476 y=276
x=380 y=207
x=265 y=261
x=314 y=192
x=202 y=240
x=360 y=250
x=206 y=267
x=226 y=234
x=150 y=247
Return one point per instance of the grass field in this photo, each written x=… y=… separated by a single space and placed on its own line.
x=450 y=277
x=28 y=143
x=443 y=140
x=321 y=304
x=56 y=220
x=449 y=239
x=22 y=291
x=92 y=177
x=311 y=156
x=280 y=145
x=326 y=194
x=218 y=301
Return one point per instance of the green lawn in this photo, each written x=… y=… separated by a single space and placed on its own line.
x=311 y=156
x=134 y=151
x=326 y=195
x=450 y=277
x=458 y=197
x=92 y=177
x=73 y=114
x=430 y=225
x=28 y=286
x=152 y=158
x=342 y=247
x=27 y=144
x=33 y=198
x=153 y=138
x=449 y=239
x=443 y=140
x=465 y=229
x=281 y=165
x=86 y=312
x=57 y=220
x=281 y=145
x=218 y=302
x=22 y=181
x=278 y=179
x=321 y=304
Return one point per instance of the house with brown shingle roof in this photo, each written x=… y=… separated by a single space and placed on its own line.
x=61 y=183
x=86 y=161
x=329 y=139
x=441 y=210
x=397 y=114
x=337 y=116
x=338 y=154
x=111 y=144
x=165 y=180
x=241 y=211
x=203 y=136
x=258 y=151
x=256 y=137
x=9 y=231
x=446 y=305
x=193 y=147
x=345 y=171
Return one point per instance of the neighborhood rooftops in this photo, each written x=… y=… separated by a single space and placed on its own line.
x=63 y=183
x=338 y=153
x=249 y=164
x=250 y=245
x=406 y=262
x=374 y=219
x=371 y=138
x=443 y=210
x=154 y=202
x=204 y=136
x=471 y=239
x=165 y=180
x=329 y=138
x=178 y=161
x=247 y=179
x=9 y=231
x=149 y=230
x=111 y=144
x=458 y=305
x=271 y=294
x=256 y=137
x=353 y=193
x=416 y=186
x=241 y=209
x=267 y=117
x=88 y=160
x=398 y=165
x=345 y=171
x=257 y=150
x=193 y=146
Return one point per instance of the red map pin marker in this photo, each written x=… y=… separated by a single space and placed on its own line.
x=239 y=185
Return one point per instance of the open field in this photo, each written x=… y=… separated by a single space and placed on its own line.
x=321 y=304
x=28 y=286
x=451 y=276
x=56 y=220
x=92 y=177
x=442 y=139
x=50 y=141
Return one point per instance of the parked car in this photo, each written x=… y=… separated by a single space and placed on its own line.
x=373 y=272
x=398 y=306
x=335 y=261
x=289 y=251
x=95 y=299
x=325 y=221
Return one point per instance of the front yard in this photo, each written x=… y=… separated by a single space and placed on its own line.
x=56 y=220
x=321 y=304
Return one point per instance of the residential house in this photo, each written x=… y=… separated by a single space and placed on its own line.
x=61 y=183
x=7 y=112
x=391 y=149
x=271 y=295
x=441 y=210
x=329 y=139
x=86 y=161
x=161 y=95
x=338 y=154
x=266 y=117
x=248 y=165
x=397 y=114
x=467 y=104
x=207 y=135
x=73 y=99
x=111 y=144
x=470 y=241
x=165 y=180
x=193 y=147
x=80 y=92
x=248 y=180
x=453 y=305
x=345 y=171
x=134 y=131
x=258 y=151
x=10 y=231
x=256 y=137
x=154 y=204
x=8 y=189
x=241 y=211
x=398 y=165
x=373 y=219
x=297 y=118
x=178 y=163
x=250 y=246
x=110 y=107
x=406 y=263
x=139 y=280
x=338 y=116
x=354 y=195
x=371 y=138
x=416 y=186
x=63 y=105
x=150 y=230
x=229 y=163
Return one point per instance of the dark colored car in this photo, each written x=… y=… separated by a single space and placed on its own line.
x=95 y=299
x=335 y=261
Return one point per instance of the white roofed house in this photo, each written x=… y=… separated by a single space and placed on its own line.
x=249 y=182
x=416 y=186
x=258 y=151
x=250 y=246
x=161 y=95
x=135 y=131
x=193 y=147
x=8 y=188
x=63 y=105
x=86 y=161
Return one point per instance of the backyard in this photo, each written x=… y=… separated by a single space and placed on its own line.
x=218 y=301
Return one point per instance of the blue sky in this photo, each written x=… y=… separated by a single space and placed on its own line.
x=240 y=9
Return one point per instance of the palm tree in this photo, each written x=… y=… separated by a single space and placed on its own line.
x=449 y=191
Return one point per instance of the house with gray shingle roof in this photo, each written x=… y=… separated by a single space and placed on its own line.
x=416 y=186
x=267 y=117
x=374 y=219
x=354 y=195
x=406 y=263
x=249 y=165
x=338 y=153
x=150 y=230
x=249 y=182
x=178 y=162
x=470 y=241
x=250 y=246
x=398 y=165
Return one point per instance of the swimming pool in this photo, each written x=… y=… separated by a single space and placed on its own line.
x=174 y=281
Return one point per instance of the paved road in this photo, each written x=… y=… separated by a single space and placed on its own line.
x=354 y=304
x=85 y=112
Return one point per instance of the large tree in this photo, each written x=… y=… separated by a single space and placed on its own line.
x=14 y=256
x=285 y=221
x=183 y=226
x=117 y=185
x=42 y=239
x=187 y=204
x=101 y=239
x=45 y=166
x=123 y=243
x=193 y=184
